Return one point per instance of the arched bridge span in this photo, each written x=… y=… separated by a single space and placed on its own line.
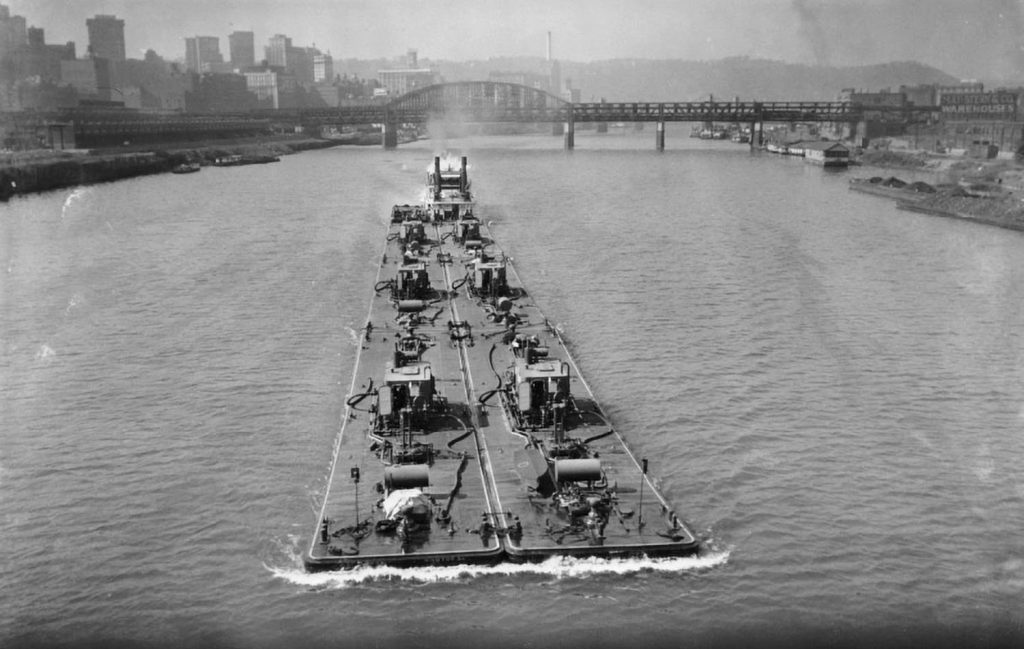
x=479 y=101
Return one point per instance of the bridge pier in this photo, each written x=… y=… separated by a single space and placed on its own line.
x=570 y=131
x=659 y=137
x=860 y=132
x=389 y=135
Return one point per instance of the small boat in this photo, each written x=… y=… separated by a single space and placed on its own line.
x=186 y=168
x=238 y=159
x=227 y=161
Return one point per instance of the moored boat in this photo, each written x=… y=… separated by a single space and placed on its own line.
x=827 y=154
x=238 y=159
x=186 y=168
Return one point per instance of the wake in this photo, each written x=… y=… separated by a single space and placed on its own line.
x=555 y=567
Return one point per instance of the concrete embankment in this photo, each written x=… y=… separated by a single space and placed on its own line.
x=42 y=171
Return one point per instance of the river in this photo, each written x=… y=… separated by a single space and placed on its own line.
x=830 y=390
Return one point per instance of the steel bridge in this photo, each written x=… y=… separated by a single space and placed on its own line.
x=499 y=102
x=505 y=102
x=467 y=102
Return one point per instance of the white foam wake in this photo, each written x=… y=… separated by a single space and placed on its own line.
x=556 y=567
x=75 y=195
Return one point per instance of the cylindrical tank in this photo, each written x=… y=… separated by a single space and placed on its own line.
x=407 y=306
x=406 y=476
x=583 y=470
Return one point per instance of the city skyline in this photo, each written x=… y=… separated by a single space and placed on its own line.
x=967 y=41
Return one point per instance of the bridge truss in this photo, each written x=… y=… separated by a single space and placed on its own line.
x=485 y=101
x=499 y=102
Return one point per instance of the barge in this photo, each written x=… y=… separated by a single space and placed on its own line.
x=893 y=187
x=472 y=436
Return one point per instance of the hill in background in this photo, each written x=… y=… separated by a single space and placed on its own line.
x=675 y=80
x=749 y=79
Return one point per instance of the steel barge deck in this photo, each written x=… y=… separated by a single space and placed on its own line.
x=473 y=437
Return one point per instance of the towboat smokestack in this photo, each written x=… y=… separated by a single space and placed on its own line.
x=463 y=180
x=437 y=178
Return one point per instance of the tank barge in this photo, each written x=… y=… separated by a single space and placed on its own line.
x=474 y=436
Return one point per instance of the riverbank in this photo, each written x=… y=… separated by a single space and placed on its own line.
x=39 y=171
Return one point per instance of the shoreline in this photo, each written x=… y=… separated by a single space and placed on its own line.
x=40 y=172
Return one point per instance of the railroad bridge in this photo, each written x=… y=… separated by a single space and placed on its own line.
x=467 y=101
x=499 y=102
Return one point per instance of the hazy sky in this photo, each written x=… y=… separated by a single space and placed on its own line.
x=967 y=38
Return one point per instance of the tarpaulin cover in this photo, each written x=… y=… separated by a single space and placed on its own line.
x=401 y=502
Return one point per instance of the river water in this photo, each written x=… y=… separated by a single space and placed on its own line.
x=830 y=390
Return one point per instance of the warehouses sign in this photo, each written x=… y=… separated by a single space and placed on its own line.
x=979 y=105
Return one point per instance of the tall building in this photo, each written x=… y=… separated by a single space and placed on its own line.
x=323 y=68
x=242 y=50
x=106 y=37
x=161 y=86
x=38 y=59
x=272 y=89
x=264 y=85
x=300 y=63
x=201 y=52
x=399 y=82
x=215 y=93
x=277 y=50
x=553 y=70
x=13 y=31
